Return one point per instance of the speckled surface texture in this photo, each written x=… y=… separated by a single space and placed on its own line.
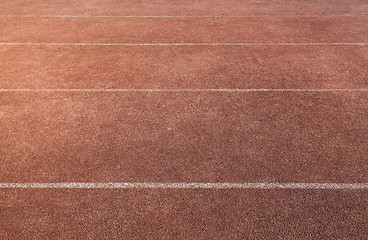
x=173 y=67
x=183 y=214
x=186 y=136
x=177 y=30
x=209 y=137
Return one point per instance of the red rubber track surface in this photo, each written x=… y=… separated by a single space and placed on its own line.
x=90 y=93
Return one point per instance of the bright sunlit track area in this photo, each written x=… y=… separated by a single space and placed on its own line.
x=183 y=119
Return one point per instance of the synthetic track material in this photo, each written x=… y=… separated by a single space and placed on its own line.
x=183 y=67
x=163 y=119
x=184 y=137
x=189 y=30
x=128 y=185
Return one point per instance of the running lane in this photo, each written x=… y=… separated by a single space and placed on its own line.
x=183 y=8
x=173 y=67
x=184 y=30
x=184 y=137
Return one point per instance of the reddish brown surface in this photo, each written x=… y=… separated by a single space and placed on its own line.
x=183 y=214
x=181 y=7
x=184 y=137
x=175 y=67
x=183 y=30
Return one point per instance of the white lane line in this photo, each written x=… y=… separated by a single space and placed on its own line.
x=185 y=16
x=187 y=90
x=180 y=185
x=187 y=44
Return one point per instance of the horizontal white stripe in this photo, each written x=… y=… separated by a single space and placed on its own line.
x=187 y=90
x=186 y=44
x=187 y=16
x=129 y=185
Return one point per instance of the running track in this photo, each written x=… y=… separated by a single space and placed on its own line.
x=183 y=119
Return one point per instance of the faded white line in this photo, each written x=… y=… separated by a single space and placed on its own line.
x=180 y=185
x=186 y=16
x=187 y=90
x=187 y=44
